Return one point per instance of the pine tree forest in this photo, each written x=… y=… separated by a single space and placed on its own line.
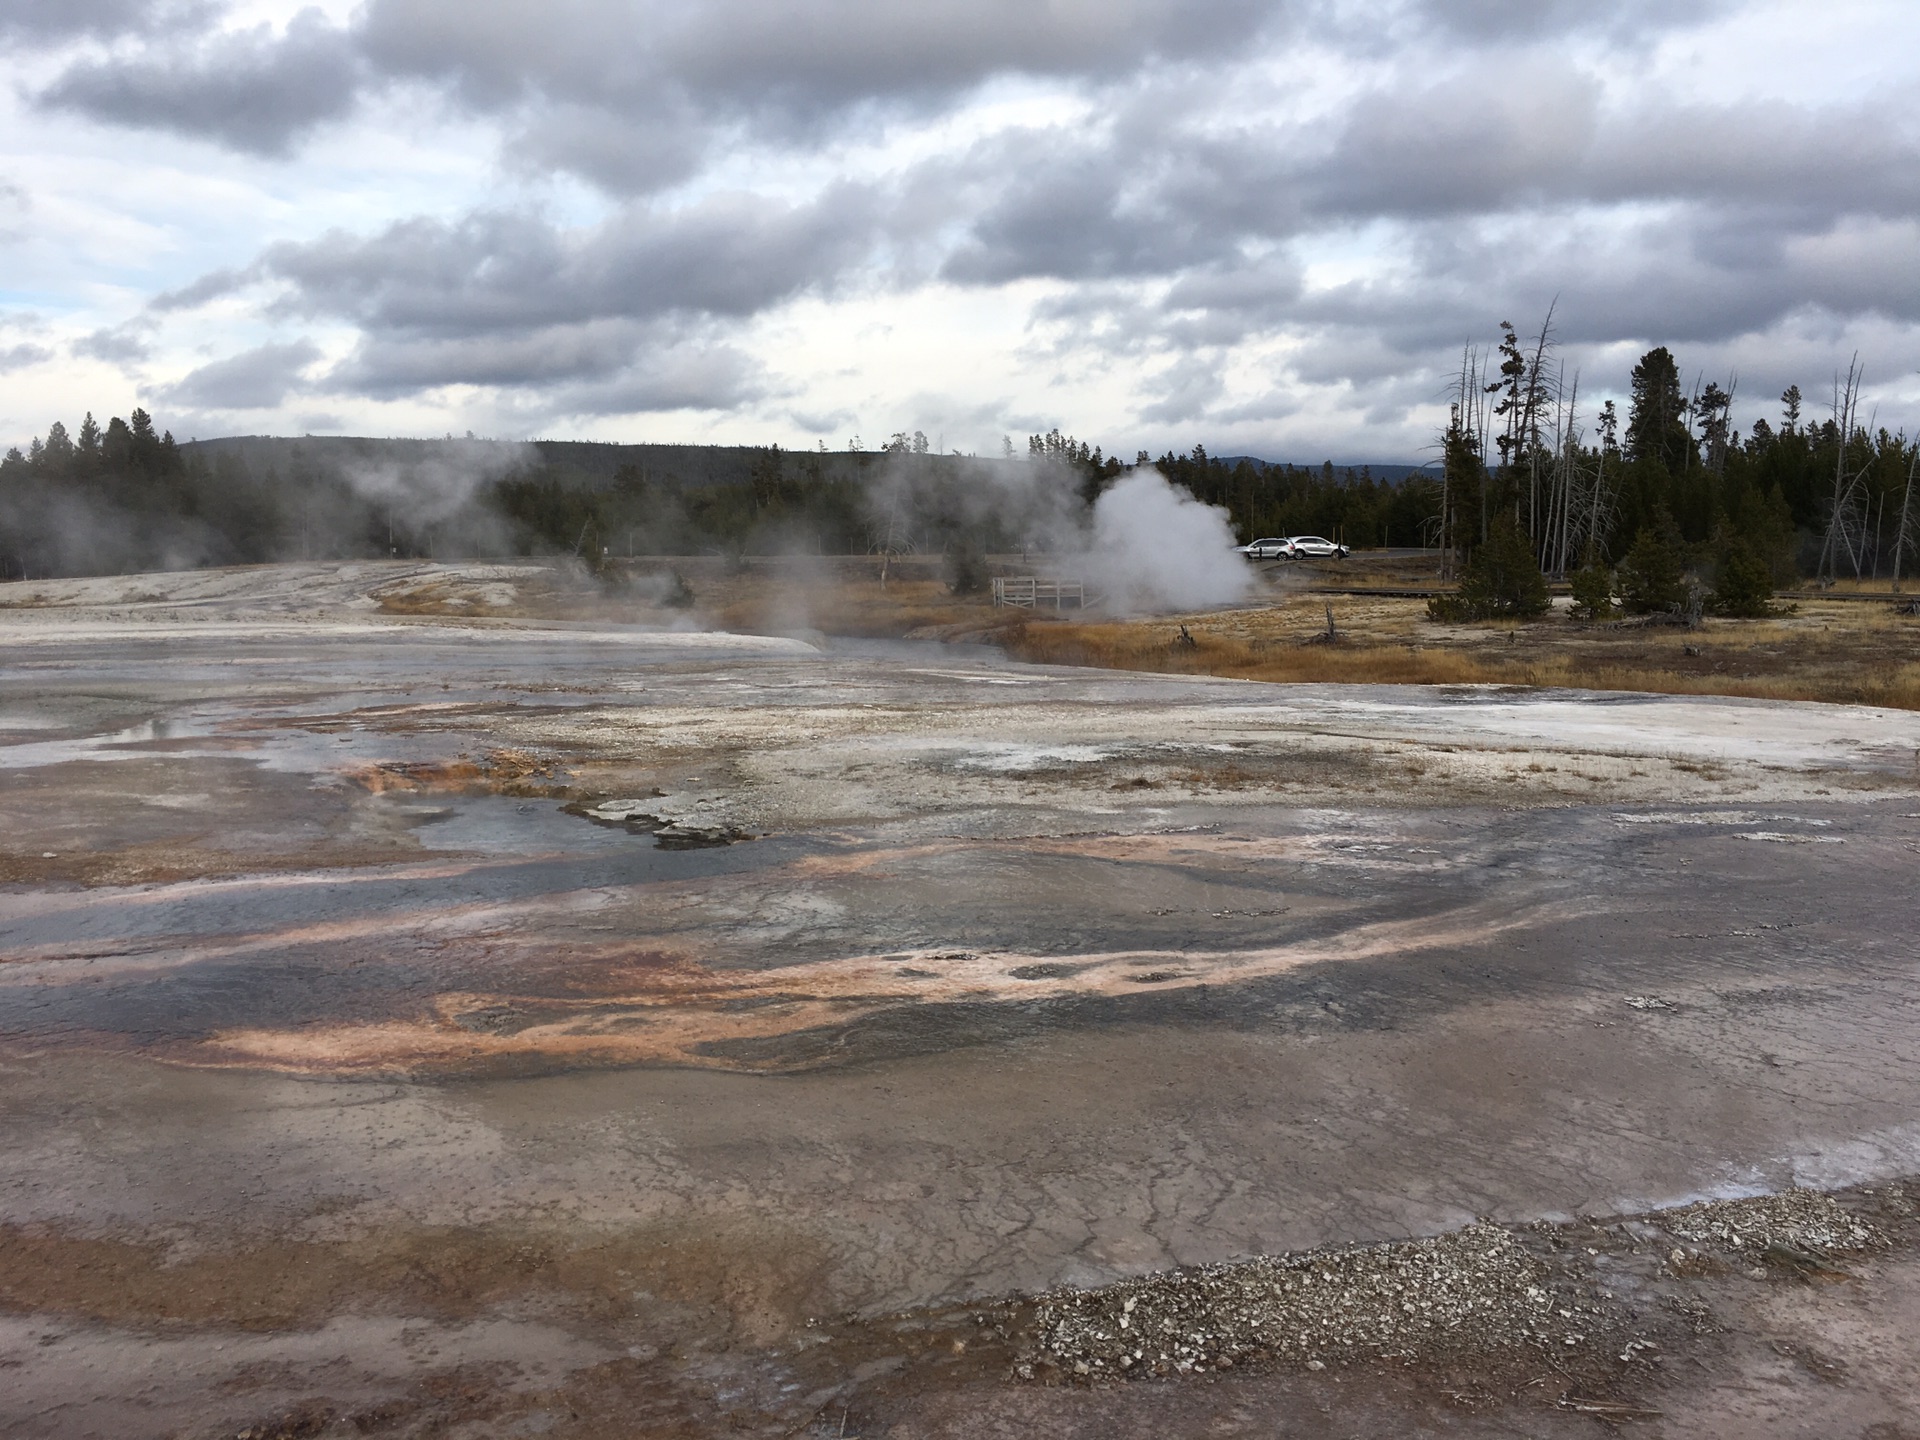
x=1804 y=488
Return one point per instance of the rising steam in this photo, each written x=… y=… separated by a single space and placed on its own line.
x=1153 y=546
x=430 y=482
x=1143 y=545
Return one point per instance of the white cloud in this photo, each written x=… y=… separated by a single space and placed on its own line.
x=1268 y=226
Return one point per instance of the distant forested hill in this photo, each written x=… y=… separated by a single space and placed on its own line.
x=590 y=463
x=128 y=499
x=1792 y=493
x=1357 y=471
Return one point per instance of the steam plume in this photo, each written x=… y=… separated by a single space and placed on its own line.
x=1153 y=546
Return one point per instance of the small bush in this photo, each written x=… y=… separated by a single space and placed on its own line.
x=1502 y=581
x=1744 y=587
x=1653 y=577
x=1593 y=591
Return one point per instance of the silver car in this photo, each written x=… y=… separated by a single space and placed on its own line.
x=1274 y=547
x=1312 y=547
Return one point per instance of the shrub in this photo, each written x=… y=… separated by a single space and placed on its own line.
x=1502 y=581
x=1593 y=590
x=1653 y=577
x=1744 y=586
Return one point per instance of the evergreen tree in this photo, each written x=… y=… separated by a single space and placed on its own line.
x=1502 y=580
x=1465 y=480
x=116 y=446
x=57 y=453
x=1593 y=589
x=1513 y=372
x=1653 y=577
x=1656 y=429
x=1744 y=586
x=1715 y=411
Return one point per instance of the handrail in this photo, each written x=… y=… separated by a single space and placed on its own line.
x=1029 y=592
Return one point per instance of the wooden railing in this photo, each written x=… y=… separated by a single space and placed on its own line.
x=1030 y=593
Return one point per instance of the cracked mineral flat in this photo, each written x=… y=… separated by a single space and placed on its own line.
x=890 y=977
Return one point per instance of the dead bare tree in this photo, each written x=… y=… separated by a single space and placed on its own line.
x=1557 y=476
x=1568 y=477
x=896 y=540
x=1601 y=507
x=1466 y=423
x=1529 y=427
x=1846 y=522
x=1591 y=502
x=1903 y=536
x=1714 y=407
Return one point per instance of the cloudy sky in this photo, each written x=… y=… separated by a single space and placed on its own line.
x=1269 y=227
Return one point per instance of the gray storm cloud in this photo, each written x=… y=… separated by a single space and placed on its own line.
x=18 y=357
x=614 y=318
x=253 y=90
x=256 y=379
x=52 y=19
x=1489 y=161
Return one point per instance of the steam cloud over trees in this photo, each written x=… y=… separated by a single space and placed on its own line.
x=1676 y=482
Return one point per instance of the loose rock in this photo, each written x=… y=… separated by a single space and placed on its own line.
x=1476 y=1290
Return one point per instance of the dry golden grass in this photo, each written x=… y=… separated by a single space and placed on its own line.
x=1826 y=648
x=855 y=607
x=1883 y=585
x=1849 y=653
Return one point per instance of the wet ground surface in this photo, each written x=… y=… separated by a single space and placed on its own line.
x=524 y=1028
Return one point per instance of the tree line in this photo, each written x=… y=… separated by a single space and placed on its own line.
x=123 y=497
x=1669 y=496
x=128 y=499
x=1672 y=501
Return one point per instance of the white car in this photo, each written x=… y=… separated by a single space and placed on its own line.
x=1312 y=547
x=1274 y=547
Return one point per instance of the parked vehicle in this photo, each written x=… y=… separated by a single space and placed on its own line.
x=1313 y=547
x=1274 y=547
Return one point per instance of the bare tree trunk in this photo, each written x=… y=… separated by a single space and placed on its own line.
x=1846 y=401
x=1902 y=534
x=1569 y=460
x=1599 y=492
x=1468 y=419
x=1530 y=424
x=1733 y=388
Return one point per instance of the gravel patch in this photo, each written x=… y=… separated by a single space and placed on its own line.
x=1804 y=1220
x=1477 y=1291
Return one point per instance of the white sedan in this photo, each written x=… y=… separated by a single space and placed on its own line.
x=1312 y=547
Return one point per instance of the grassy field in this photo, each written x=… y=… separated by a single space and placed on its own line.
x=1822 y=647
x=1844 y=651
x=1825 y=648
